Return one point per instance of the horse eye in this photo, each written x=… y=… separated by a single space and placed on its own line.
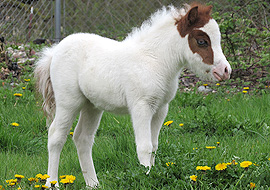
x=202 y=42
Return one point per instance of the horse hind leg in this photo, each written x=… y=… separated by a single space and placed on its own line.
x=83 y=138
x=57 y=135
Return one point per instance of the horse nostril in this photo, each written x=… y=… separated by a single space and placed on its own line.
x=226 y=70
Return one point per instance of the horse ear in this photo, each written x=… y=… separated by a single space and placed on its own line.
x=209 y=9
x=192 y=16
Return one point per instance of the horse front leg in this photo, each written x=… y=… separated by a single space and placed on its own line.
x=141 y=117
x=156 y=124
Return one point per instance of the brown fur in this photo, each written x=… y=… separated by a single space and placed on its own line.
x=197 y=17
x=205 y=52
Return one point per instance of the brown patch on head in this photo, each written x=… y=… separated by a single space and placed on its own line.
x=196 y=17
x=199 y=42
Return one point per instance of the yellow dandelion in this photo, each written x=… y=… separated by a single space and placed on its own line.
x=44 y=187
x=193 y=177
x=19 y=176
x=15 y=124
x=32 y=179
x=252 y=185
x=26 y=80
x=246 y=88
x=218 y=84
x=170 y=163
x=62 y=176
x=244 y=91
x=205 y=84
x=269 y=159
x=245 y=164
x=210 y=147
x=71 y=177
x=168 y=123
x=221 y=166
x=71 y=133
x=181 y=124
x=53 y=183
x=17 y=94
x=204 y=168
x=66 y=181
x=37 y=186
x=23 y=87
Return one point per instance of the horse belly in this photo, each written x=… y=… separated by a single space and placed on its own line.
x=104 y=93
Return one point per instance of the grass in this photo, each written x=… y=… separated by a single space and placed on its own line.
x=240 y=122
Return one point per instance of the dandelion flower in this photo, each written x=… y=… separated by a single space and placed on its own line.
x=244 y=91
x=32 y=180
x=44 y=187
x=218 y=143
x=23 y=87
x=181 y=124
x=245 y=164
x=71 y=177
x=15 y=124
x=204 y=168
x=252 y=185
x=17 y=94
x=246 y=88
x=218 y=84
x=19 y=176
x=26 y=80
x=37 y=186
x=210 y=147
x=168 y=123
x=169 y=163
x=12 y=182
x=269 y=159
x=193 y=177
x=221 y=166
x=71 y=134
x=53 y=183
x=205 y=84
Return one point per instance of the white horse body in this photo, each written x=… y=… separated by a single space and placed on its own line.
x=90 y=74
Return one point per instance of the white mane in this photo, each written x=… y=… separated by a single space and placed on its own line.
x=156 y=21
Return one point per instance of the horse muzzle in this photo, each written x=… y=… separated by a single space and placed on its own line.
x=222 y=71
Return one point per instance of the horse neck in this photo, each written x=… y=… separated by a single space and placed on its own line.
x=166 y=47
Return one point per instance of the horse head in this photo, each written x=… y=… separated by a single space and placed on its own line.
x=204 y=55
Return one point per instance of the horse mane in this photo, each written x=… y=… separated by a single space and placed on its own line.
x=165 y=15
x=157 y=20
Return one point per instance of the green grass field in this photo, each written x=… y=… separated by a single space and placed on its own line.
x=239 y=121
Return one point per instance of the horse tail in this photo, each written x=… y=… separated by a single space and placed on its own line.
x=43 y=82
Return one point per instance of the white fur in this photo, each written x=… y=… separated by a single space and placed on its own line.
x=138 y=76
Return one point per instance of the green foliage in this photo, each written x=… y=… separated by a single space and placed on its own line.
x=245 y=32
